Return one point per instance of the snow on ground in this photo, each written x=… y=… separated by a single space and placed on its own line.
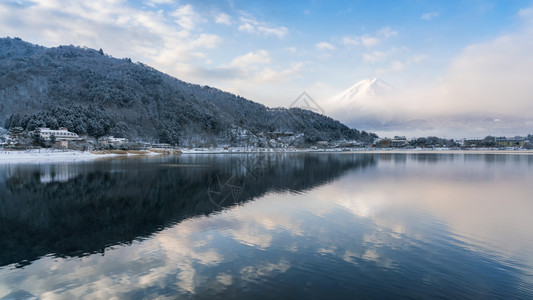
x=51 y=155
x=46 y=155
x=54 y=155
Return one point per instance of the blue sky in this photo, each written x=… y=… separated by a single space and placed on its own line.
x=271 y=51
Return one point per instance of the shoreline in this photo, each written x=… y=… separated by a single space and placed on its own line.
x=355 y=150
x=49 y=155
x=56 y=155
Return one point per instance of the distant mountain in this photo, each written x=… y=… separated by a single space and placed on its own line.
x=363 y=105
x=362 y=91
x=92 y=93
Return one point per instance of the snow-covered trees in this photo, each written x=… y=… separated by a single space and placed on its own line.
x=92 y=93
x=91 y=120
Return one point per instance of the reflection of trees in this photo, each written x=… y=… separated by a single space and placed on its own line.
x=119 y=201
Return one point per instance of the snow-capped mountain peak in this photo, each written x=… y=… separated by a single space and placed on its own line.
x=362 y=90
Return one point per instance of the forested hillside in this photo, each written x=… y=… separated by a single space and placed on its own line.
x=92 y=93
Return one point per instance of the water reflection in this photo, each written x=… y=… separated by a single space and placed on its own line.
x=78 y=209
x=319 y=226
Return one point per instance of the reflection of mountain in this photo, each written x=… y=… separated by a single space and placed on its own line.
x=116 y=202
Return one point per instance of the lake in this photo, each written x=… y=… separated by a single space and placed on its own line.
x=252 y=226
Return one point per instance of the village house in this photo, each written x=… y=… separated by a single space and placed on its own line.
x=398 y=142
x=382 y=143
x=62 y=134
x=62 y=137
x=510 y=142
x=162 y=146
x=472 y=142
x=113 y=141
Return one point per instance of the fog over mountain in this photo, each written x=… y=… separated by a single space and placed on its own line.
x=362 y=103
x=361 y=91
x=90 y=92
x=421 y=111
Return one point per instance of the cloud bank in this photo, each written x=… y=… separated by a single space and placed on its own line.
x=487 y=89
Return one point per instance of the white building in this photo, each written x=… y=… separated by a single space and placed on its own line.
x=398 y=142
x=110 y=140
x=61 y=135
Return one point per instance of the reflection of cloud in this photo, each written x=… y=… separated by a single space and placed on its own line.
x=370 y=255
x=251 y=273
x=480 y=217
x=252 y=237
x=350 y=256
x=473 y=211
x=359 y=208
x=182 y=252
x=491 y=212
x=370 y=219
x=225 y=279
x=328 y=250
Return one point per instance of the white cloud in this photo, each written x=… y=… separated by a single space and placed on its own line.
x=279 y=32
x=246 y=27
x=290 y=49
x=418 y=58
x=163 y=40
x=485 y=82
x=223 y=18
x=351 y=41
x=492 y=77
x=269 y=75
x=251 y=25
x=324 y=46
x=392 y=60
x=526 y=12
x=205 y=40
x=162 y=1
x=185 y=17
x=429 y=16
x=386 y=32
x=251 y=59
x=369 y=40
x=398 y=63
x=154 y=3
x=376 y=56
x=251 y=70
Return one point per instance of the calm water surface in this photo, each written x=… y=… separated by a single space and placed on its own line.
x=407 y=225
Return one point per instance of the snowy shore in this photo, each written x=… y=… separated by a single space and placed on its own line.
x=46 y=155
x=51 y=155
x=54 y=155
x=243 y=150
